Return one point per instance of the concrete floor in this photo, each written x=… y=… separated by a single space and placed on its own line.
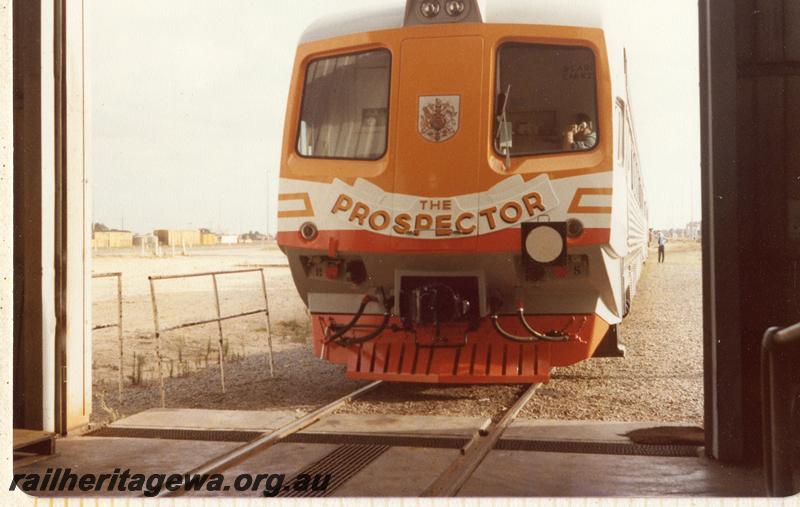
x=407 y=471
x=202 y=419
x=101 y=455
x=527 y=473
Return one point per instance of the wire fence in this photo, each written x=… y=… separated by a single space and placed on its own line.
x=219 y=319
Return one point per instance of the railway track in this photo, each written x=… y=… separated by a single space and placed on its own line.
x=355 y=452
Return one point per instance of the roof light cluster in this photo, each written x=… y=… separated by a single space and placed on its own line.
x=442 y=11
x=431 y=8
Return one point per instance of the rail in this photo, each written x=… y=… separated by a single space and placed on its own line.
x=231 y=458
x=454 y=477
x=219 y=320
x=117 y=325
x=780 y=392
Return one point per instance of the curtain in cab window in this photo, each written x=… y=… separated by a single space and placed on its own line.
x=553 y=90
x=345 y=107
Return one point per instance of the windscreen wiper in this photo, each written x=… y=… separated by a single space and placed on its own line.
x=504 y=135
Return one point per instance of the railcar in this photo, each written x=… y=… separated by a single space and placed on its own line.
x=460 y=196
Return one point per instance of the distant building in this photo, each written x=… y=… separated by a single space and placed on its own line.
x=209 y=239
x=228 y=239
x=112 y=239
x=144 y=240
x=177 y=237
x=251 y=237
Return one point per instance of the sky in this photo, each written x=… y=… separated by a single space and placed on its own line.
x=186 y=102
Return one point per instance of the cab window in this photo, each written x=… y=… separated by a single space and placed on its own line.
x=345 y=106
x=546 y=99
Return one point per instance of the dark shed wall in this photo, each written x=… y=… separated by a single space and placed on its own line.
x=750 y=80
x=28 y=374
x=721 y=266
x=768 y=154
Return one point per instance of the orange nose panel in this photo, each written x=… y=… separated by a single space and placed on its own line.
x=483 y=356
x=439 y=143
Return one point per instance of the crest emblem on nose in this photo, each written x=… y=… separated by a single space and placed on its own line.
x=439 y=117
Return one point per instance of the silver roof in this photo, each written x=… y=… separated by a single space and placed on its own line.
x=584 y=13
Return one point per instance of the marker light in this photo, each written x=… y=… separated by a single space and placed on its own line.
x=574 y=228
x=332 y=270
x=309 y=231
x=429 y=8
x=544 y=244
x=454 y=7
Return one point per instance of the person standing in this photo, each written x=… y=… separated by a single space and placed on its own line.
x=662 y=241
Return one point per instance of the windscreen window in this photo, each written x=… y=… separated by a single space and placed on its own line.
x=345 y=108
x=551 y=102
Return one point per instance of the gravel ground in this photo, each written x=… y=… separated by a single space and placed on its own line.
x=302 y=383
x=435 y=399
x=661 y=378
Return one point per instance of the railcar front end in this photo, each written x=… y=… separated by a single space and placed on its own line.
x=439 y=222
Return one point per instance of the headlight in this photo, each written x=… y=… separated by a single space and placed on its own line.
x=429 y=8
x=545 y=243
x=454 y=7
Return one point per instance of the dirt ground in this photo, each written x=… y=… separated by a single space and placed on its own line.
x=661 y=379
x=190 y=300
x=191 y=354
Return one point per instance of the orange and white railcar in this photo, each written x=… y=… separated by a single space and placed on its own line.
x=440 y=223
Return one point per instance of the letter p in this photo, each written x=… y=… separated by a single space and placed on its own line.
x=343 y=203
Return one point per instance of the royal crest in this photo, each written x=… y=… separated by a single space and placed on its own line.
x=439 y=117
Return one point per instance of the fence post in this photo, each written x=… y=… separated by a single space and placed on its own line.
x=219 y=327
x=119 y=330
x=158 y=344
x=118 y=325
x=269 y=326
x=218 y=320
